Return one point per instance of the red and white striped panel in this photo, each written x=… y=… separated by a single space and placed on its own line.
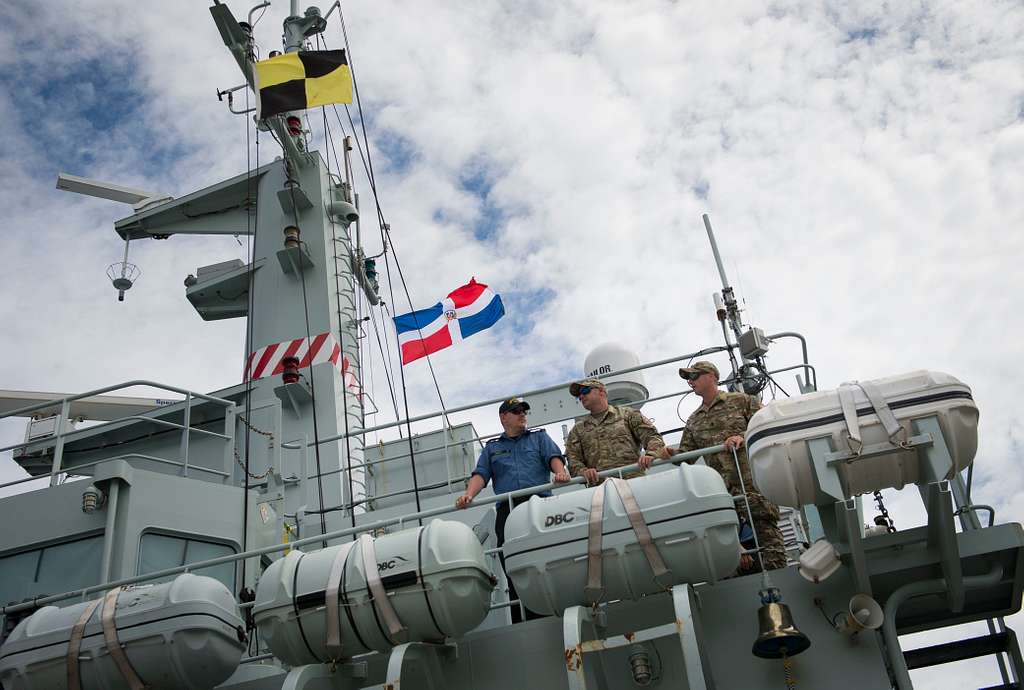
x=350 y=379
x=268 y=361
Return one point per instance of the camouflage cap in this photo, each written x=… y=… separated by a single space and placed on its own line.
x=574 y=388
x=513 y=405
x=698 y=368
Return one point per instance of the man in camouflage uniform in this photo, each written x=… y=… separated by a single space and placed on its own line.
x=610 y=436
x=723 y=418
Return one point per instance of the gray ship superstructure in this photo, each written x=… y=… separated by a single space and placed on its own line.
x=248 y=538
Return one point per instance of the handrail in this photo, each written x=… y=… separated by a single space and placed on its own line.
x=295 y=445
x=538 y=391
x=336 y=534
x=811 y=373
x=128 y=384
x=140 y=456
x=142 y=418
x=808 y=369
x=65 y=404
x=897 y=663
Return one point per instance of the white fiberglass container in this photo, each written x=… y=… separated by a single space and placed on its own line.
x=777 y=435
x=436 y=578
x=691 y=516
x=186 y=633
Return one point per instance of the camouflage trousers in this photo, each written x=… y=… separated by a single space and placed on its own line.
x=766 y=527
x=765 y=514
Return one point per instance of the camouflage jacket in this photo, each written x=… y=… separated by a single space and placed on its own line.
x=710 y=425
x=612 y=439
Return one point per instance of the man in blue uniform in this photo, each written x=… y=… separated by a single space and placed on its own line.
x=518 y=459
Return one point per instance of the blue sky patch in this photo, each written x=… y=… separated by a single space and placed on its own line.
x=868 y=34
x=491 y=217
x=399 y=151
x=522 y=308
x=87 y=112
x=102 y=91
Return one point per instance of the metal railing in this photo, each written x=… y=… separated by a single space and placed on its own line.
x=60 y=434
x=348 y=531
x=295 y=445
x=126 y=456
x=805 y=365
x=58 y=438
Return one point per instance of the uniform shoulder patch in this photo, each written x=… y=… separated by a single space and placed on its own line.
x=493 y=440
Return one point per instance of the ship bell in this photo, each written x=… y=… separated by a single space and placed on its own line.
x=779 y=637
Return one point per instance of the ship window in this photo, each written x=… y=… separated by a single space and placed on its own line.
x=51 y=569
x=160 y=551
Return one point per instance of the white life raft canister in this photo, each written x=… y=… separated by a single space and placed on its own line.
x=433 y=583
x=186 y=633
x=690 y=516
x=777 y=434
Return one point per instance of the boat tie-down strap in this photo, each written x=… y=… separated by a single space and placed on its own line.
x=75 y=645
x=377 y=592
x=882 y=410
x=114 y=645
x=333 y=643
x=594 y=589
x=595 y=536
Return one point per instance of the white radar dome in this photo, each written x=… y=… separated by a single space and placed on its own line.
x=608 y=358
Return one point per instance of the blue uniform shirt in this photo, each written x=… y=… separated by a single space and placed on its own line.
x=518 y=463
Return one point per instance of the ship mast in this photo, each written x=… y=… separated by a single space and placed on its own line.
x=299 y=292
x=316 y=280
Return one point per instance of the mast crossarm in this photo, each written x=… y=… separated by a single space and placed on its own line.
x=237 y=41
x=221 y=209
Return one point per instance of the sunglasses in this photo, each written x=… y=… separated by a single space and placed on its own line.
x=583 y=390
x=694 y=376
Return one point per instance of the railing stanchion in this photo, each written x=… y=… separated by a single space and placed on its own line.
x=186 y=427
x=58 y=451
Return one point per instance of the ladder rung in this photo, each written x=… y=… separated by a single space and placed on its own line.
x=957 y=650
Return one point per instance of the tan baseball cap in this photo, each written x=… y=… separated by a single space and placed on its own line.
x=574 y=388
x=698 y=368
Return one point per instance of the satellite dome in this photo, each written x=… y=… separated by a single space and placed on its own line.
x=608 y=358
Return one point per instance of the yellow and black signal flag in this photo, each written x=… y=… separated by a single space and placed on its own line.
x=300 y=80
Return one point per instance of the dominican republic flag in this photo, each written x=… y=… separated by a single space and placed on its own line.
x=465 y=311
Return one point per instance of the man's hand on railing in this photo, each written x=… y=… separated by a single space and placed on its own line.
x=463 y=501
x=733 y=442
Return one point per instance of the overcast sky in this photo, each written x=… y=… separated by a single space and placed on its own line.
x=860 y=163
